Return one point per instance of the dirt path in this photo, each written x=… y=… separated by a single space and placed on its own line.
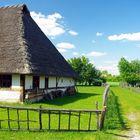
x=134 y=134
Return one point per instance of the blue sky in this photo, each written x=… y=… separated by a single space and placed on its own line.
x=102 y=30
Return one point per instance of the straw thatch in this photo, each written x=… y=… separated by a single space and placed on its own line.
x=25 y=49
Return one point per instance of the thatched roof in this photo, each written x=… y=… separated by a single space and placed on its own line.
x=25 y=49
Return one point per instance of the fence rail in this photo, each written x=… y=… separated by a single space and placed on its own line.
x=46 y=120
x=27 y=118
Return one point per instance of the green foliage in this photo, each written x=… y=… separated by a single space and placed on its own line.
x=112 y=84
x=130 y=71
x=109 y=77
x=128 y=104
x=27 y=102
x=88 y=74
x=114 y=118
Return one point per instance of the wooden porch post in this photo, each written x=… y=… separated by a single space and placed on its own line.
x=22 y=84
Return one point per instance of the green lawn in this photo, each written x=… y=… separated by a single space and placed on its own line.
x=84 y=99
x=122 y=105
x=113 y=83
x=129 y=102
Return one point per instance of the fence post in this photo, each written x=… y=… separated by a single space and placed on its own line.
x=0 y=124
x=18 y=119
x=89 y=121
x=79 y=120
x=102 y=118
x=28 y=121
x=49 y=119
x=8 y=113
x=59 y=120
x=69 y=120
x=97 y=115
x=40 y=118
x=105 y=96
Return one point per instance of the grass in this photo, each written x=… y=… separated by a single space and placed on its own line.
x=113 y=83
x=130 y=104
x=121 y=103
x=114 y=118
x=134 y=89
x=84 y=99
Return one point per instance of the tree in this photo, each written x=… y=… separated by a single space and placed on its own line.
x=130 y=71
x=86 y=71
x=77 y=65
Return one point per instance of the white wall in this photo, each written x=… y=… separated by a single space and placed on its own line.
x=52 y=82
x=10 y=96
x=42 y=82
x=28 y=82
x=15 y=81
x=65 y=82
x=62 y=82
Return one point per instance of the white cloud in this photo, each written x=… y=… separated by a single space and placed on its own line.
x=111 y=66
x=113 y=69
x=129 y=37
x=99 y=34
x=50 y=24
x=65 y=45
x=73 y=33
x=61 y=50
x=96 y=54
x=125 y=56
x=111 y=62
x=83 y=54
x=75 y=53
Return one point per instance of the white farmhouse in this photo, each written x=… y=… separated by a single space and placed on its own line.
x=30 y=65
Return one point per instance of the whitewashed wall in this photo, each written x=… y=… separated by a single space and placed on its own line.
x=10 y=96
x=42 y=82
x=65 y=82
x=52 y=82
x=62 y=82
x=28 y=82
x=15 y=81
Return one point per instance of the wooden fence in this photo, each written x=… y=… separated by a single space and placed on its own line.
x=105 y=97
x=37 y=119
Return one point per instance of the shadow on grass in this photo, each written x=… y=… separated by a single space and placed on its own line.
x=114 y=118
x=68 y=99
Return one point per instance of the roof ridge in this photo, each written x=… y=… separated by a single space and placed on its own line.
x=13 y=6
x=20 y=7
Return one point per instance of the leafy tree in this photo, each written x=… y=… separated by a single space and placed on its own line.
x=86 y=71
x=109 y=77
x=130 y=71
x=77 y=65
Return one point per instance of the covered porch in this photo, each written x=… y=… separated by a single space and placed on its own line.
x=19 y=87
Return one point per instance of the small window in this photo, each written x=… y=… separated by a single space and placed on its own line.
x=35 y=81
x=5 y=81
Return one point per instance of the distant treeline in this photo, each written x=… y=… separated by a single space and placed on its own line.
x=89 y=75
x=130 y=71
